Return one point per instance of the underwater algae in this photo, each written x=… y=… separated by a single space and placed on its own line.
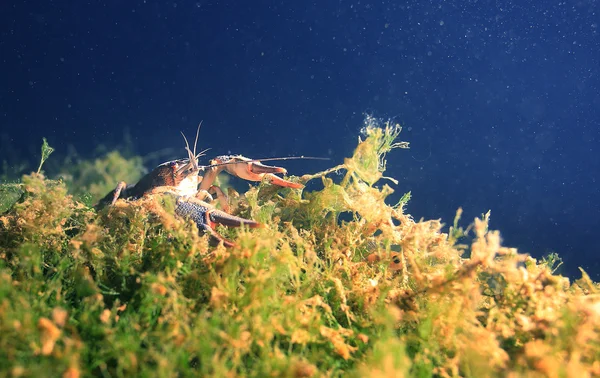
x=134 y=290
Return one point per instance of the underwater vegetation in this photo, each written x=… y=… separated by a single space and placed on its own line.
x=134 y=290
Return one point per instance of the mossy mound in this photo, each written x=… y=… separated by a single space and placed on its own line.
x=134 y=290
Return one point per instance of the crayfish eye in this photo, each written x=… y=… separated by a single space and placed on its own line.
x=173 y=164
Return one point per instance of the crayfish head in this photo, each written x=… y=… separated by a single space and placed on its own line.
x=185 y=177
x=185 y=171
x=181 y=175
x=186 y=183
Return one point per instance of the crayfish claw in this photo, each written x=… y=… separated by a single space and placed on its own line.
x=207 y=217
x=247 y=169
x=276 y=180
x=216 y=238
x=260 y=168
x=221 y=217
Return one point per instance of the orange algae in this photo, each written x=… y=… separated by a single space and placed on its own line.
x=135 y=290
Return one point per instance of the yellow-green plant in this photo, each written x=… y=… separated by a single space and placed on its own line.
x=337 y=283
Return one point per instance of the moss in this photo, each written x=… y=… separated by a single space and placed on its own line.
x=89 y=181
x=337 y=283
x=9 y=196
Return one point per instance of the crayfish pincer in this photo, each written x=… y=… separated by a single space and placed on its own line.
x=192 y=186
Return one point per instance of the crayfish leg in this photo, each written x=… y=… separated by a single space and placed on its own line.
x=111 y=197
x=120 y=186
x=221 y=197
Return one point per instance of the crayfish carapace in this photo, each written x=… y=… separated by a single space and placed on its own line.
x=192 y=186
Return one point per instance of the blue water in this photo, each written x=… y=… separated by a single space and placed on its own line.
x=500 y=100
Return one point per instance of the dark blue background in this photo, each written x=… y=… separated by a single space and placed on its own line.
x=499 y=100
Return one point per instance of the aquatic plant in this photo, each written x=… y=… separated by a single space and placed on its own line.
x=135 y=290
x=91 y=180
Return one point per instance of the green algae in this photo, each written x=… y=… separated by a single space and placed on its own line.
x=9 y=196
x=46 y=152
x=89 y=181
x=133 y=290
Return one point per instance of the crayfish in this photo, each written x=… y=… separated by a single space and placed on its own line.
x=192 y=186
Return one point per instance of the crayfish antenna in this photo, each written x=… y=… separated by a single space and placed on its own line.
x=196 y=141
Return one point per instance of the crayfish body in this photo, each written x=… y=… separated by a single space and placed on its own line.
x=194 y=193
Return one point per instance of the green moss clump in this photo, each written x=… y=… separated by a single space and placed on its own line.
x=9 y=196
x=133 y=290
x=91 y=180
